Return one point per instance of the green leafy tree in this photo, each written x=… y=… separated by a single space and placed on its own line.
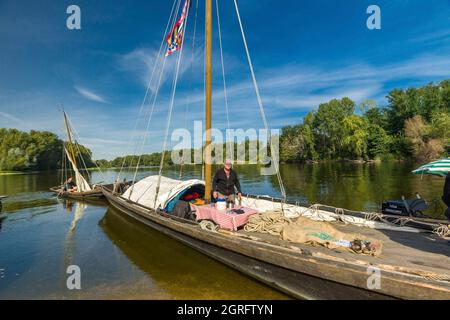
x=355 y=131
x=328 y=125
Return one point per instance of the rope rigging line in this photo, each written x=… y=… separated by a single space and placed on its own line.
x=223 y=67
x=273 y=153
x=155 y=96
x=148 y=89
x=149 y=112
x=190 y=80
x=81 y=154
x=229 y=146
x=148 y=126
x=442 y=231
x=169 y=115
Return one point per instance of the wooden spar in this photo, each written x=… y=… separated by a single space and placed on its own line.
x=69 y=135
x=208 y=95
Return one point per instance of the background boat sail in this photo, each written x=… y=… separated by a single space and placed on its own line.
x=412 y=265
x=84 y=189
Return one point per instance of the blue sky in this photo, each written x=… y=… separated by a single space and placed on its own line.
x=304 y=53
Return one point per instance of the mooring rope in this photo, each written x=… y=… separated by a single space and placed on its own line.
x=442 y=231
x=437 y=277
x=341 y=215
x=373 y=216
x=157 y=62
x=209 y=225
x=271 y=222
x=402 y=221
x=169 y=114
x=273 y=152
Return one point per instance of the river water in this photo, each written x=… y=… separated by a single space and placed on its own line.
x=40 y=235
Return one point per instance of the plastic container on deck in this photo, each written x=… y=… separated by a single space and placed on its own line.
x=221 y=204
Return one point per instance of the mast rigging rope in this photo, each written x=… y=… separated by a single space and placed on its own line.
x=190 y=81
x=169 y=115
x=273 y=152
x=155 y=96
x=157 y=62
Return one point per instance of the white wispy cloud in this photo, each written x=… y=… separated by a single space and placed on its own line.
x=10 y=117
x=88 y=94
x=438 y=35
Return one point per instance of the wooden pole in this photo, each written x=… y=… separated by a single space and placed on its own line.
x=208 y=96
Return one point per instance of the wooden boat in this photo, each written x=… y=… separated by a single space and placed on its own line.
x=413 y=265
x=94 y=193
x=84 y=189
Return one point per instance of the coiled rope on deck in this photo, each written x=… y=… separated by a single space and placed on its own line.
x=209 y=226
x=442 y=231
x=271 y=222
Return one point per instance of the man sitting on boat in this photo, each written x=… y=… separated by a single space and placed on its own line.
x=224 y=183
x=70 y=185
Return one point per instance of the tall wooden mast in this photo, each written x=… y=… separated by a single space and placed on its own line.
x=208 y=95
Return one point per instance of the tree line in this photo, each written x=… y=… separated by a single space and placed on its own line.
x=415 y=124
x=35 y=150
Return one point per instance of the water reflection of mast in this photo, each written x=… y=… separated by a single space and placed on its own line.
x=80 y=208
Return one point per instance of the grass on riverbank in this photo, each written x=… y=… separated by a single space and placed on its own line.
x=10 y=173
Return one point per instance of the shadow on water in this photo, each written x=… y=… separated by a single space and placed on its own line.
x=179 y=270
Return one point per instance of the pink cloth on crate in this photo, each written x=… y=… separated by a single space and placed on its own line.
x=229 y=221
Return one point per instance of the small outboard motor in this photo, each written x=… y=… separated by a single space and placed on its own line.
x=411 y=207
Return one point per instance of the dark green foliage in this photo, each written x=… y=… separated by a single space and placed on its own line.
x=36 y=150
x=336 y=131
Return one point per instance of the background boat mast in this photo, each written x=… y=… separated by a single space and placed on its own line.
x=208 y=95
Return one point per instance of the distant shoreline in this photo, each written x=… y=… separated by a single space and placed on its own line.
x=307 y=162
x=11 y=173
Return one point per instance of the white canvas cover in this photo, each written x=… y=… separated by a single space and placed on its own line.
x=144 y=191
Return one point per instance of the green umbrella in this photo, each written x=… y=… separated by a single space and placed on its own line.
x=437 y=168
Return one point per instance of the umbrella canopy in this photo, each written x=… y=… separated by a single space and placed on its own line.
x=437 y=168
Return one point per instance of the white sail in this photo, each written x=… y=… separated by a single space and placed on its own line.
x=82 y=184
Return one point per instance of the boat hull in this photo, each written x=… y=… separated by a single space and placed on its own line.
x=96 y=193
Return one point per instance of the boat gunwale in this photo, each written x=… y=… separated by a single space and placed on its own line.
x=427 y=224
